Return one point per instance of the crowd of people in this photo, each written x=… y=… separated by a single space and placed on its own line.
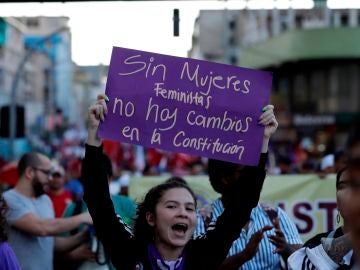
x=67 y=146
x=70 y=215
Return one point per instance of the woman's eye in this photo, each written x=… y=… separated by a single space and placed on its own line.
x=190 y=209
x=171 y=206
x=343 y=185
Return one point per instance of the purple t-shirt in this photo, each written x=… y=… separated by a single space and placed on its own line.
x=8 y=259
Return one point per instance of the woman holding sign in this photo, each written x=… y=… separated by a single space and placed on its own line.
x=166 y=219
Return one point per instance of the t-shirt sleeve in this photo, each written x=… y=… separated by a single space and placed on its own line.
x=17 y=207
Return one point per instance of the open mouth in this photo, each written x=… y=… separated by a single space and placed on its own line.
x=180 y=227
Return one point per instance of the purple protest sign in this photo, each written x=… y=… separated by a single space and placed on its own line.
x=185 y=105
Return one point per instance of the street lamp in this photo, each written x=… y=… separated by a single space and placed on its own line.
x=14 y=85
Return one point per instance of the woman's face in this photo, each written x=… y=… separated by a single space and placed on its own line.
x=174 y=220
x=342 y=195
x=354 y=199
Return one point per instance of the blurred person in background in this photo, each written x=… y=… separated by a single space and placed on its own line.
x=119 y=182
x=353 y=141
x=181 y=164
x=285 y=165
x=8 y=175
x=354 y=205
x=59 y=196
x=73 y=183
x=340 y=160
x=8 y=259
x=309 y=166
x=156 y=161
x=329 y=250
x=251 y=250
x=31 y=215
x=340 y=248
x=327 y=166
x=353 y=153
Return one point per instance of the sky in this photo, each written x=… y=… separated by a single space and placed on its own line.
x=98 y=26
x=144 y=25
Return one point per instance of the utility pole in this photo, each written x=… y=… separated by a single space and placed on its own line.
x=14 y=86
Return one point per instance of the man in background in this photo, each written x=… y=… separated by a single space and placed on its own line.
x=59 y=196
x=31 y=216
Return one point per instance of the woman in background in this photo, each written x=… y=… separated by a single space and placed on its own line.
x=330 y=250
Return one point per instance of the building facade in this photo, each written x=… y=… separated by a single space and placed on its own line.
x=35 y=73
x=52 y=38
x=313 y=55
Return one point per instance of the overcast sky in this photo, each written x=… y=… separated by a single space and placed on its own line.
x=143 y=25
x=97 y=26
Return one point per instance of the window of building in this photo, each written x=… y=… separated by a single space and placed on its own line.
x=232 y=24
x=300 y=94
x=317 y=90
x=284 y=20
x=269 y=25
x=233 y=60
x=232 y=41
x=347 y=80
x=298 y=21
x=283 y=92
x=344 y=20
x=32 y=22
x=332 y=89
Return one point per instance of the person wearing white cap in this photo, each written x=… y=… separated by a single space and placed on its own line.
x=328 y=164
x=59 y=196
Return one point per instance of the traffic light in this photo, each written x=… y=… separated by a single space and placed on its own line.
x=176 y=19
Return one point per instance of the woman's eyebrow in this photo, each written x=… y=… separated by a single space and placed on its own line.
x=342 y=181
x=177 y=202
x=171 y=201
x=190 y=204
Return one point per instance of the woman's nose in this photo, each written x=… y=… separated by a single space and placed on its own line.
x=183 y=211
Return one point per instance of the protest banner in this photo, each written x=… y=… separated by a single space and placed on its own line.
x=185 y=105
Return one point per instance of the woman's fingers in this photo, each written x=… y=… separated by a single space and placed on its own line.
x=93 y=112
x=103 y=103
x=99 y=109
x=102 y=96
x=268 y=107
x=268 y=120
x=268 y=116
